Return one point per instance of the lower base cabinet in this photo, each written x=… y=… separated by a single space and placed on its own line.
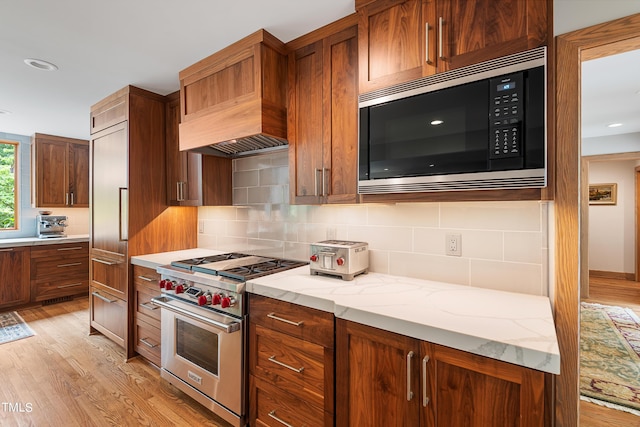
x=59 y=271
x=14 y=270
x=108 y=315
x=147 y=338
x=386 y=379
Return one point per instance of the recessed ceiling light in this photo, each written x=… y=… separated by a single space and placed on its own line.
x=437 y=122
x=614 y=125
x=39 y=64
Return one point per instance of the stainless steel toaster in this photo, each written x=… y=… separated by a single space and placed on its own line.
x=339 y=258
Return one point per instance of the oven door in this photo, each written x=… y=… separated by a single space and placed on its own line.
x=204 y=351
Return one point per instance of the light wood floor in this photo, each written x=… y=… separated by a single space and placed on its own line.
x=65 y=377
x=623 y=293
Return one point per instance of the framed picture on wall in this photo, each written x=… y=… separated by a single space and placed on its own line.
x=603 y=194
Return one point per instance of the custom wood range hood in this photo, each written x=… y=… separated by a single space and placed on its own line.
x=234 y=101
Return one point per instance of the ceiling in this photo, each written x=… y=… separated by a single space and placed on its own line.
x=102 y=46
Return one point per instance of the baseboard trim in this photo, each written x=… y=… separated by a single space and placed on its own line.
x=612 y=275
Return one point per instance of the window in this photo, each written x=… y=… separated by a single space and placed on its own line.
x=8 y=193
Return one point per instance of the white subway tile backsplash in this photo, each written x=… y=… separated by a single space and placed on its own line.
x=504 y=244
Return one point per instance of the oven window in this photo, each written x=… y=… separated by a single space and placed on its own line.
x=197 y=345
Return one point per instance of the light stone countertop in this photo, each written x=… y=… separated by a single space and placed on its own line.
x=512 y=327
x=34 y=241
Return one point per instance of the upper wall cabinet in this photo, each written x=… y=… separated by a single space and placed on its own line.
x=61 y=172
x=235 y=96
x=402 y=40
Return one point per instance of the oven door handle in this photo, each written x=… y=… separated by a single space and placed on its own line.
x=228 y=328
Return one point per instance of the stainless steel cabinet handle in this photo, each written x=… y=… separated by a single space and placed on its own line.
x=101 y=261
x=149 y=306
x=280 y=319
x=440 y=43
x=72 y=285
x=146 y=279
x=124 y=214
x=409 y=392
x=69 y=265
x=272 y=414
x=426 y=42
x=284 y=365
x=6 y=250
x=72 y=200
x=66 y=199
x=315 y=183
x=75 y=248
x=105 y=299
x=425 y=398
x=324 y=181
x=147 y=343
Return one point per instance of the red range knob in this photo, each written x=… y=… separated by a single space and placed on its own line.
x=340 y=261
x=313 y=258
x=226 y=302
x=161 y=283
x=179 y=289
x=216 y=299
x=168 y=284
x=202 y=300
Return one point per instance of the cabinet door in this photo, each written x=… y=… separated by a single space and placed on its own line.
x=376 y=377
x=14 y=269
x=305 y=124
x=108 y=315
x=473 y=391
x=184 y=168
x=340 y=118
x=52 y=171
x=480 y=30
x=79 y=175
x=109 y=211
x=392 y=42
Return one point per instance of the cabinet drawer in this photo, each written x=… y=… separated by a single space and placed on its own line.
x=65 y=267
x=145 y=309
x=109 y=274
x=274 y=408
x=60 y=251
x=309 y=324
x=289 y=363
x=108 y=315
x=44 y=289
x=146 y=277
x=147 y=341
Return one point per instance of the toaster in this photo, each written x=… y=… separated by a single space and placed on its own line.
x=339 y=258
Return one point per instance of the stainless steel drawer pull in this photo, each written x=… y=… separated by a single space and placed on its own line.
x=272 y=414
x=6 y=250
x=284 y=365
x=425 y=398
x=409 y=392
x=69 y=265
x=75 y=248
x=280 y=319
x=146 y=279
x=149 y=305
x=147 y=343
x=72 y=285
x=101 y=261
x=105 y=299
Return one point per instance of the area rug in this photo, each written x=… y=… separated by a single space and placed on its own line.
x=13 y=327
x=610 y=356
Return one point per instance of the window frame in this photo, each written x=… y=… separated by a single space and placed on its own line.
x=16 y=185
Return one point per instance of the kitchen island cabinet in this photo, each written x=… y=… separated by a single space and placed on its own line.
x=322 y=115
x=402 y=40
x=394 y=380
x=14 y=269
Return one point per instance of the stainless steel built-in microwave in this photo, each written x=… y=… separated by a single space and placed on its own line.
x=478 y=127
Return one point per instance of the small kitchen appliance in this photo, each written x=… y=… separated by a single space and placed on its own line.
x=51 y=226
x=339 y=258
x=203 y=327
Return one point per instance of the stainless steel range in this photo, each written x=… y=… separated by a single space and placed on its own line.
x=203 y=327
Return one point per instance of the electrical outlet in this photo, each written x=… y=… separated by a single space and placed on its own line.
x=453 y=244
x=201 y=226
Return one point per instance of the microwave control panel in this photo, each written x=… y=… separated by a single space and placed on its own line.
x=506 y=116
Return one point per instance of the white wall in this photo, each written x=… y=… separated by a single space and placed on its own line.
x=505 y=245
x=612 y=227
x=614 y=144
x=571 y=15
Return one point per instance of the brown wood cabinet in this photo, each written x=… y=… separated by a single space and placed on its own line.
x=129 y=211
x=147 y=314
x=323 y=115
x=59 y=271
x=402 y=40
x=61 y=171
x=238 y=92
x=291 y=364
x=388 y=379
x=14 y=269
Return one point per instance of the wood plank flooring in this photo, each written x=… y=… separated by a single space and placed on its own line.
x=622 y=293
x=65 y=377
